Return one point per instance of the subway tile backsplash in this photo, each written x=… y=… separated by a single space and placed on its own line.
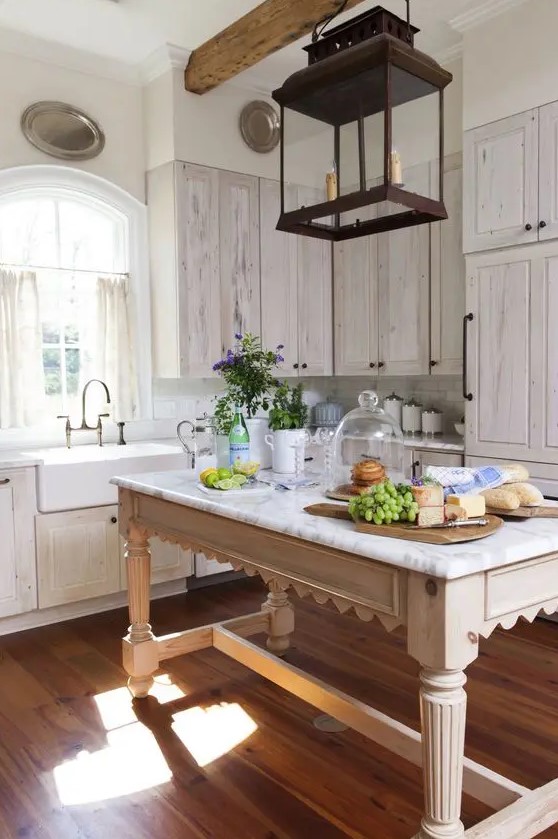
x=189 y=398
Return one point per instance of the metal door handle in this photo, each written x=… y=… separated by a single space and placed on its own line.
x=304 y=366
x=5 y=481
x=466 y=319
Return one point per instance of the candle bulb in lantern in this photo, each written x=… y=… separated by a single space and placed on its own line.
x=396 y=169
x=331 y=183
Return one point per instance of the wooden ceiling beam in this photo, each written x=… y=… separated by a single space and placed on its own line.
x=269 y=27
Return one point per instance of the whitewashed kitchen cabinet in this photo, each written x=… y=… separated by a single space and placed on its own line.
x=447 y=277
x=355 y=305
x=548 y=172
x=168 y=562
x=512 y=357
x=239 y=251
x=426 y=457
x=18 y=590
x=404 y=294
x=209 y=567
x=78 y=555
x=296 y=291
x=501 y=178
x=279 y=277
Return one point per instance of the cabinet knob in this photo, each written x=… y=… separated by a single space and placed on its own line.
x=542 y=223
x=528 y=227
x=304 y=366
x=113 y=519
x=381 y=364
x=372 y=364
x=295 y=366
x=433 y=363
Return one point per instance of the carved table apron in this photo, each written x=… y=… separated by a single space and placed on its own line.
x=444 y=620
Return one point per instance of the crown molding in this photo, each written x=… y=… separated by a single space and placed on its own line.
x=164 y=58
x=482 y=13
x=69 y=58
x=450 y=54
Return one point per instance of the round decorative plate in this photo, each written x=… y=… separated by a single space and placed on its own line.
x=62 y=131
x=259 y=126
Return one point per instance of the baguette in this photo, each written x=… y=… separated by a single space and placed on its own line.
x=514 y=472
x=502 y=498
x=529 y=495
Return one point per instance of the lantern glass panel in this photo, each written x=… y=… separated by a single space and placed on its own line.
x=309 y=152
x=415 y=133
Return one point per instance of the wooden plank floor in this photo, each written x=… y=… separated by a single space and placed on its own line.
x=77 y=761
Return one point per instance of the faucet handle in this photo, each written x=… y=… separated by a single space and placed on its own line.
x=100 y=427
x=68 y=428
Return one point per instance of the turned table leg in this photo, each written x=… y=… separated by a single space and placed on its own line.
x=281 y=623
x=443 y=704
x=139 y=650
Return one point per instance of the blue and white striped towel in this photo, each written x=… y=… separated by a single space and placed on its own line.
x=459 y=480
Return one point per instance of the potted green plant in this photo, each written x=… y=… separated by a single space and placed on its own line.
x=287 y=420
x=247 y=371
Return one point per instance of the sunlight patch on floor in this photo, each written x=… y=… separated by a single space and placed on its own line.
x=209 y=733
x=115 y=706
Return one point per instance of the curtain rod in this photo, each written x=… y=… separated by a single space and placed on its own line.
x=66 y=270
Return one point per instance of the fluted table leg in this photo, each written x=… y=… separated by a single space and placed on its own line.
x=139 y=649
x=443 y=705
x=281 y=624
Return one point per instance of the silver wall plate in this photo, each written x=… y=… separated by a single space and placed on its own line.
x=62 y=131
x=259 y=126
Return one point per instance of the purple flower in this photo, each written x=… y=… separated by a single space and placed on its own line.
x=279 y=359
x=280 y=346
x=238 y=336
x=217 y=365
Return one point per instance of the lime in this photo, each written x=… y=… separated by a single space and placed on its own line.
x=211 y=479
x=240 y=480
x=206 y=472
x=224 y=473
x=226 y=483
x=247 y=468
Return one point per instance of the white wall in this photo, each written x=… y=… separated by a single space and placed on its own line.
x=116 y=106
x=510 y=63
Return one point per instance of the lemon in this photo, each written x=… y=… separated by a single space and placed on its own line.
x=224 y=474
x=226 y=483
x=206 y=473
x=247 y=468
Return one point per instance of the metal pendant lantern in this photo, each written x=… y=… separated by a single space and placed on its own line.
x=360 y=127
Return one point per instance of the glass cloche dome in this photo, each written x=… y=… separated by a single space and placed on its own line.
x=367 y=446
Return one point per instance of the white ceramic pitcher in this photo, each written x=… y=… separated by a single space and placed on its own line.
x=284 y=445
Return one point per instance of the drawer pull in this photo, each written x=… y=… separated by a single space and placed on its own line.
x=114 y=519
x=4 y=481
x=467 y=319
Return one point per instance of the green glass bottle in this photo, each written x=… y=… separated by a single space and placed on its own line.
x=239 y=439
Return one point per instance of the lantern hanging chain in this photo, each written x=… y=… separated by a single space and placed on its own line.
x=409 y=36
x=325 y=21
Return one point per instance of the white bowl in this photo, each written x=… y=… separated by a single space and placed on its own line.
x=460 y=428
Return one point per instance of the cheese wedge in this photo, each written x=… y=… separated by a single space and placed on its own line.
x=431 y=495
x=474 y=505
x=427 y=516
x=455 y=513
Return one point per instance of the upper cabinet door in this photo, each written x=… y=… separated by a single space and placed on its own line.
x=548 y=172
x=315 y=326
x=404 y=291
x=279 y=285
x=447 y=278
x=198 y=293
x=355 y=296
x=501 y=183
x=544 y=351
x=499 y=356
x=239 y=255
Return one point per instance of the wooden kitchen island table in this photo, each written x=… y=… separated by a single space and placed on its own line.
x=447 y=596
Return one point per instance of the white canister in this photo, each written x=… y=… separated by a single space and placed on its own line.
x=431 y=422
x=283 y=446
x=412 y=417
x=393 y=405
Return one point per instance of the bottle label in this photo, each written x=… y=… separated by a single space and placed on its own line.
x=239 y=453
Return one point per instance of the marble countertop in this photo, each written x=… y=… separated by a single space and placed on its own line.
x=282 y=511
x=14 y=460
x=441 y=442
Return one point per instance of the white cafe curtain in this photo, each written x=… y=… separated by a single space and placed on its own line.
x=115 y=358
x=22 y=386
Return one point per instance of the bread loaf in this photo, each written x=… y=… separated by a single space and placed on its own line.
x=514 y=472
x=529 y=495
x=502 y=498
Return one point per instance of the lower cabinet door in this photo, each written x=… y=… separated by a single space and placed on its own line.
x=78 y=555
x=168 y=562
x=422 y=459
x=208 y=567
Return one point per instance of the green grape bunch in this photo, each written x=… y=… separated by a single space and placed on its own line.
x=385 y=503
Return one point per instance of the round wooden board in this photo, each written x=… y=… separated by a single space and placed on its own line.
x=433 y=535
x=338 y=496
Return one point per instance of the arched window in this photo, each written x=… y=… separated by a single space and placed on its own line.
x=73 y=266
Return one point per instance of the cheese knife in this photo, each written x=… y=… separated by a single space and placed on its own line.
x=464 y=523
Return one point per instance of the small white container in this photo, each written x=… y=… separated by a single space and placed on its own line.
x=431 y=422
x=412 y=417
x=393 y=405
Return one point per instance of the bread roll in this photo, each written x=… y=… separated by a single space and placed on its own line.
x=514 y=472
x=529 y=495
x=502 y=498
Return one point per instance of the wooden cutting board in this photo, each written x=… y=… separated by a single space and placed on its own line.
x=541 y=512
x=431 y=535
